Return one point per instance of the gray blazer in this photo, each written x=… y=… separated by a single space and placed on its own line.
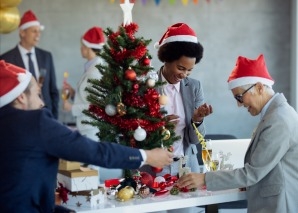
x=270 y=172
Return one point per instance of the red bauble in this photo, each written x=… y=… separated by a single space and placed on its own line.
x=130 y=74
x=146 y=61
x=146 y=179
x=156 y=169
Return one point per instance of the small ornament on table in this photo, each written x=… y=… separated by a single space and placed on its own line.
x=183 y=170
x=144 y=191
x=137 y=176
x=140 y=134
x=110 y=110
x=126 y=193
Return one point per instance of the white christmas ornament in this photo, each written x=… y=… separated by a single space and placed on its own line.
x=150 y=82
x=110 y=110
x=127 y=8
x=140 y=134
x=159 y=179
x=153 y=75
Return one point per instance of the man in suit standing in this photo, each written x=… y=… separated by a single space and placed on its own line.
x=38 y=61
x=270 y=170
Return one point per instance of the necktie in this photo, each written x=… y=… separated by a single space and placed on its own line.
x=31 y=66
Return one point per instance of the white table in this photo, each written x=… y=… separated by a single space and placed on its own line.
x=160 y=203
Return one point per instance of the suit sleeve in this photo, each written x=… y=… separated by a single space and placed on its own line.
x=54 y=94
x=61 y=142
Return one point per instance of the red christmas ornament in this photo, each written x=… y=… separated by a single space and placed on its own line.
x=156 y=169
x=146 y=179
x=130 y=74
x=146 y=61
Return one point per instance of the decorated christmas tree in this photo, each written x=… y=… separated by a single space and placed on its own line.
x=125 y=104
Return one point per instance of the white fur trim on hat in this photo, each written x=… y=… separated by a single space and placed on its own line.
x=249 y=80
x=30 y=24
x=24 y=80
x=186 y=38
x=91 y=45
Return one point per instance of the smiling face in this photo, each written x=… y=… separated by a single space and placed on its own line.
x=179 y=69
x=30 y=37
x=254 y=99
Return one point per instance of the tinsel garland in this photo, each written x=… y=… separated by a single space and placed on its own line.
x=125 y=123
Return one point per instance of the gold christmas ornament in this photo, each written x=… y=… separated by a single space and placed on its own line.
x=9 y=3
x=163 y=99
x=121 y=109
x=166 y=134
x=126 y=193
x=9 y=19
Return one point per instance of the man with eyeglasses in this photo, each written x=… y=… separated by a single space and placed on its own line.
x=270 y=172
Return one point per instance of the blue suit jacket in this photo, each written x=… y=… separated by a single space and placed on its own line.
x=44 y=58
x=29 y=162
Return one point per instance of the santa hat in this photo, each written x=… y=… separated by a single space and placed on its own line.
x=94 y=38
x=248 y=71
x=13 y=80
x=177 y=32
x=28 y=20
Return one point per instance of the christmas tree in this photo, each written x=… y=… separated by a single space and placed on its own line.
x=125 y=104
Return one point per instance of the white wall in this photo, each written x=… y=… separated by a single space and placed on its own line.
x=226 y=28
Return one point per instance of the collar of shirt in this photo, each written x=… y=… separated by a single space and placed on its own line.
x=177 y=86
x=24 y=51
x=263 y=111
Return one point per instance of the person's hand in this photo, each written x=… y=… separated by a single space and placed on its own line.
x=67 y=105
x=201 y=112
x=173 y=119
x=159 y=157
x=192 y=180
x=67 y=86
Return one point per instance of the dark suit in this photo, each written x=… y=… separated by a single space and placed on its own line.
x=32 y=143
x=44 y=58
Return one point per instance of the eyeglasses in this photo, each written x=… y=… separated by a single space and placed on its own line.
x=239 y=97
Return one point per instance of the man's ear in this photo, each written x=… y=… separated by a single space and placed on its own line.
x=259 y=87
x=21 y=101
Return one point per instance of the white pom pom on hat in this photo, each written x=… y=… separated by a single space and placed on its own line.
x=29 y=19
x=94 y=38
x=177 y=32
x=249 y=71
x=13 y=80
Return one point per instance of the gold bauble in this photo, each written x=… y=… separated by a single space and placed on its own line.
x=166 y=134
x=126 y=193
x=9 y=19
x=121 y=109
x=9 y=3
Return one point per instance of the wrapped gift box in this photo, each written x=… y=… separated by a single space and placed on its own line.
x=68 y=165
x=88 y=198
x=79 y=179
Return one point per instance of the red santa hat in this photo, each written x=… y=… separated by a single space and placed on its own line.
x=248 y=71
x=94 y=38
x=177 y=32
x=28 y=20
x=13 y=80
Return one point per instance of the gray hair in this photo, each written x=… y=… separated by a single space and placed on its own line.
x=267 y=89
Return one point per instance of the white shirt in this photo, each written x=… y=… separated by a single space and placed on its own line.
x=175 y=106
x=24 y=56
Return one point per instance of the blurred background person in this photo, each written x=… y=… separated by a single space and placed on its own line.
x=38 y=61
x=91 y=44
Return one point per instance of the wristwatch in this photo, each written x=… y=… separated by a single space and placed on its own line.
x=198 y=123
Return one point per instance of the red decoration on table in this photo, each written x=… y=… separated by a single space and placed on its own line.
x=156 y=169
x=63 y=192
x=146 y=179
